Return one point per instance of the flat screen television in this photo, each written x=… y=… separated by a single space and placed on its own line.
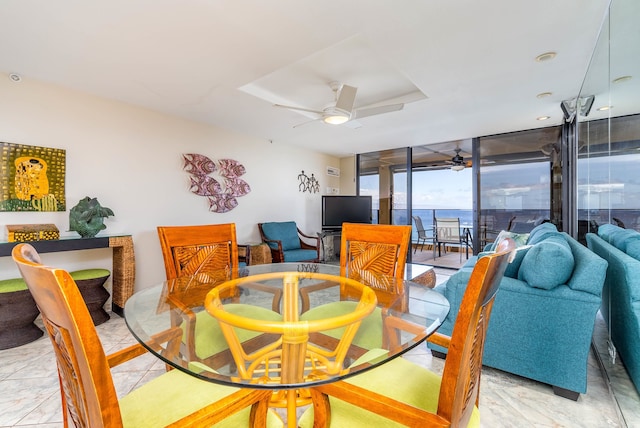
x=345 y=209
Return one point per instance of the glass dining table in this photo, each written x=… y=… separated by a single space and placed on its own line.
x=236 y=328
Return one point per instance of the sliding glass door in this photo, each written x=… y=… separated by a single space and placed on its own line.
x=383 y=176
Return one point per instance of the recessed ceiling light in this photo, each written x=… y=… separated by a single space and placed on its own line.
x=544 y=94
x=546 y=56
x=622 y=79
x=605 y=108
x=543 y=118
x=15 y=77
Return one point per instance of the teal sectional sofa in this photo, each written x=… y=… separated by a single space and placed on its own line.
x=544 y=313
x=621 y=293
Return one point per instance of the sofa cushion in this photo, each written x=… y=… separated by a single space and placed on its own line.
x=514 y=267
x=633 y=249
x=293 y=256
x=622 y=238
x=285 y=231
x=605 y=231
x=547 y=264
x=541 y=232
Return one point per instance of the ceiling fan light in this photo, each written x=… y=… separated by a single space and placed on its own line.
x=335 y=119
x=457 y=167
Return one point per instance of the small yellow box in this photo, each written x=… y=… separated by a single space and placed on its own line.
x=32 y=232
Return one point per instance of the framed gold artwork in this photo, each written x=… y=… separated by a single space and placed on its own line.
x=32 y=178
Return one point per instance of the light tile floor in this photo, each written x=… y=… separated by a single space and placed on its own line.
x=29 y=390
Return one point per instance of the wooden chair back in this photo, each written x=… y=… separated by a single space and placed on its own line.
x=370 y=253
x=195 y=259
x=189 y=250
x=89 y=397
x=88 y=393
x=460 y=387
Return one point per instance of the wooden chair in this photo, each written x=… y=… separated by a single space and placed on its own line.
x=401 y=393
x=289 y=357
x=448 y=232
x=371 y=252
x=196 y=258
x=287 y=242
x=88 y=394
x=376 y=255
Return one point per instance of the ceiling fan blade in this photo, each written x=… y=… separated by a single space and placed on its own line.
x=304 y=123
x=353 y=124
x=298 y=108
x=366 y=112
x=346 y=98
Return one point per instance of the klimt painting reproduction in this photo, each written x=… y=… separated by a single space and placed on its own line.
x=32 y=178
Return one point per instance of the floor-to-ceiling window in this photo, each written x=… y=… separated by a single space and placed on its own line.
x=607 y=148
x=519 y=180
x=608 y=133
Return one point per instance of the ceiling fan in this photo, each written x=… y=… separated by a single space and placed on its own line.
x=341 y=110
x=457 y=162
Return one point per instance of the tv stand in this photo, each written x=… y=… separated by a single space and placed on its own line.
x=328 y=239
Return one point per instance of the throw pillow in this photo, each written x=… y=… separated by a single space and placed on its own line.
x=514 y=267
x=519 y=238
x=547 y=264
x=541 y=232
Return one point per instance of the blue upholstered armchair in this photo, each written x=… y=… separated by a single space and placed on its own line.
x=288 y=243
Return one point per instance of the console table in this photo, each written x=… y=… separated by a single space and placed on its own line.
x=123 y=275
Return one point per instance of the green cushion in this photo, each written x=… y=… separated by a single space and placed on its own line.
x=547 y=264
x=174 y=395
x=369 y=335
x=11 y=285
x=80 y=275
x=419 y=387
x=286 y=232
x=209 y=339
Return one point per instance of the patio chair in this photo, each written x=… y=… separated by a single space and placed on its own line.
x=402 y=393
x=88 y=393
x=422 y=234
x=447 y=232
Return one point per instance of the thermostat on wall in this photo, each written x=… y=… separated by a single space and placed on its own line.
x=331 y=170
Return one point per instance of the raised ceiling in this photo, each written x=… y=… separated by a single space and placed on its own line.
x=464 y=68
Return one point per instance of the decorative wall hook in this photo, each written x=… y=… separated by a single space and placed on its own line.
x=308 y=184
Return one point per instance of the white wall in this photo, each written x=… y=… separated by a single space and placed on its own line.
x=131 y=160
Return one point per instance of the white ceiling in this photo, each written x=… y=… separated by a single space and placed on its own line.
x=466 y=67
